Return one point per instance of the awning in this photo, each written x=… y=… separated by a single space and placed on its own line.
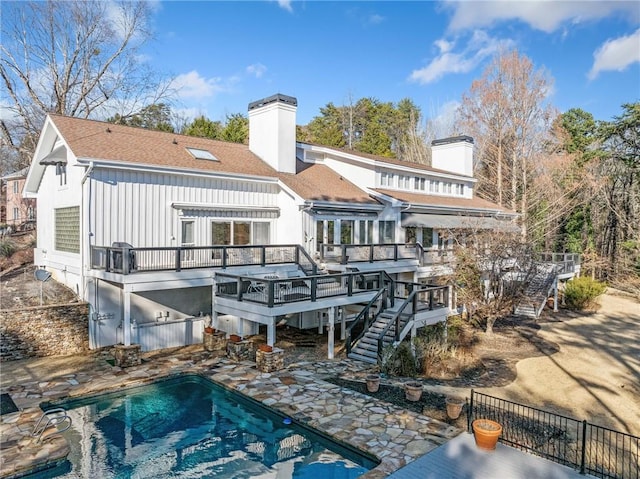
x=57 y=156
x=456 y=222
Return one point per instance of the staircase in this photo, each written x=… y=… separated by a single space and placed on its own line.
x=366 y=349
x=537 y=292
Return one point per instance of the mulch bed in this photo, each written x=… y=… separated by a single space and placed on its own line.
x=430 y=404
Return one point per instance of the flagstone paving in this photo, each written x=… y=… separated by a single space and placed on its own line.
x=394 y=435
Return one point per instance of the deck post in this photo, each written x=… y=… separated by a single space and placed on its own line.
x=555 y=295
x=343 y=324
x=126 y=319
x=331 y=339
x=271 y=331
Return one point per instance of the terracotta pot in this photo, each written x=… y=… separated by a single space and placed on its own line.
x=373 y=383
x=234 y=338
x=209 y=330
x=454 y=407
x=413 y=391
x=265 y=348
x=486 y=433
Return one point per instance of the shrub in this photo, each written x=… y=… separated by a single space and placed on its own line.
x=581 y=293
x=399 y=361
x=7 y=248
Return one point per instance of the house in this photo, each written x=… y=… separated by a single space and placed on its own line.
x=20 y=211
x=159 y=231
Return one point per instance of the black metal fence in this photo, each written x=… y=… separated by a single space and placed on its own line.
x=589 y=448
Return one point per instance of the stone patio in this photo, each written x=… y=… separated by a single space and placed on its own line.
x=394 y=435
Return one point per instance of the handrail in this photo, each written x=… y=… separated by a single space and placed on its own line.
x=54 y=417
x=395 y=320
x=364 y=314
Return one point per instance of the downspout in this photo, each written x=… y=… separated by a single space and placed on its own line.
x=82 y=215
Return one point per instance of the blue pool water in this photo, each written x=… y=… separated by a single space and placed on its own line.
x=189 y=427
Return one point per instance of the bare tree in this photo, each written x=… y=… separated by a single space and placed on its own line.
x=507 y=111
x=75 y=58
x=491 y=272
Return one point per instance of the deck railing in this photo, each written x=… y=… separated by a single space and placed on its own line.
x=274 y=291
x=129 y=260
x=589 y=448
x=565 y=262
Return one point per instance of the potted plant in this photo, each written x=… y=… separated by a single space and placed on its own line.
x=265 y=348
x=454 y=406
x=373 y=382
x=209 y=330
x=234 y=338
x=486 y=433
x=413 y=390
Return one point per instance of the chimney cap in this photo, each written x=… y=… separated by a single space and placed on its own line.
x=452 y=139
x=278 y=97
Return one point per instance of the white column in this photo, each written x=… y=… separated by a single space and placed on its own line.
x=331 y=338
x=126 y=312
x=271 y=331
x=555 y=295
x=343 y=325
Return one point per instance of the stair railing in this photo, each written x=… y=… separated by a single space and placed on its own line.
x=365 y=317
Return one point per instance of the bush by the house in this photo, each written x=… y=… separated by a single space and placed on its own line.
x=399 y=361
x=581 y=293
x=7 y=248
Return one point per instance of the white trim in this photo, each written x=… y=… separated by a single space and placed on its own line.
x=222 y=206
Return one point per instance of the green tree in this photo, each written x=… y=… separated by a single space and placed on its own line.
x=327 y=128
x=204 y=128
x=236 y=128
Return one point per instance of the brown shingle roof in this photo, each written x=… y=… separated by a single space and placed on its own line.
x=446 y=201
x=320 y=183
x=106 y=141
x=386 y=159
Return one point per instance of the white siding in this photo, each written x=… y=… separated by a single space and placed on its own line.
x=135 y=207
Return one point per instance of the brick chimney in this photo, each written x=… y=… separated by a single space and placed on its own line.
x=272 y=131
x=454 y=154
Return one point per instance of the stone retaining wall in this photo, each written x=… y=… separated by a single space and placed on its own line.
x=52 y=330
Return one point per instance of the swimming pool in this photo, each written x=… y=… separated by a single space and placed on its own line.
x=189 y=427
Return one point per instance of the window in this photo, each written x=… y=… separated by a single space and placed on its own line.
x=30 y=213
x=365 y=231
x=384 y=179
x=16 y=189
x=427 y=237
x=240 y=232
x=199 y=154
x=386 y=232
x=260 y=233
x=346 y=232
x=67 y=229
x=410 y=235
x=16 y=214
x=61 y=171
x=459 y=189
x=447 y=188
x=319 y=235
x=186 y=235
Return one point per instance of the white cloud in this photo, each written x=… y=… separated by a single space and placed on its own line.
x=192 y=85
x=545 y=15
x=479 y=47
x=257 y=70
x=375 y=19
x=286 y=4
x=616 y=54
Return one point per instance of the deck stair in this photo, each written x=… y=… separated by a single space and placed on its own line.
x=537 y=291
x=366 y=349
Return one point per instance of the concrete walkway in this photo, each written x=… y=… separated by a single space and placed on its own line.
x=461 y=459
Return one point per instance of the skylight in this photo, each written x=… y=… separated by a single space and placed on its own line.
x=199 y=154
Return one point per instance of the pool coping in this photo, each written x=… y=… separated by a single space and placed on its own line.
x=393 y=435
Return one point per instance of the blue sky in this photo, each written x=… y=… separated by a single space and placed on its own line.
x=227 y=54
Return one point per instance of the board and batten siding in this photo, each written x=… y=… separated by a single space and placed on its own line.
x=135 y=206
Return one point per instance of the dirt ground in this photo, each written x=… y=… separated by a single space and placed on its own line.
x=585 y=366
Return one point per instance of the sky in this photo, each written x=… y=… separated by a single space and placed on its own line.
x=225 y=54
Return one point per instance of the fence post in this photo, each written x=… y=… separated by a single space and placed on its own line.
x=584 y=447
x=469 y=411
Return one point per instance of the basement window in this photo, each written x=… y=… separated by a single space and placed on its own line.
x=199 y=154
